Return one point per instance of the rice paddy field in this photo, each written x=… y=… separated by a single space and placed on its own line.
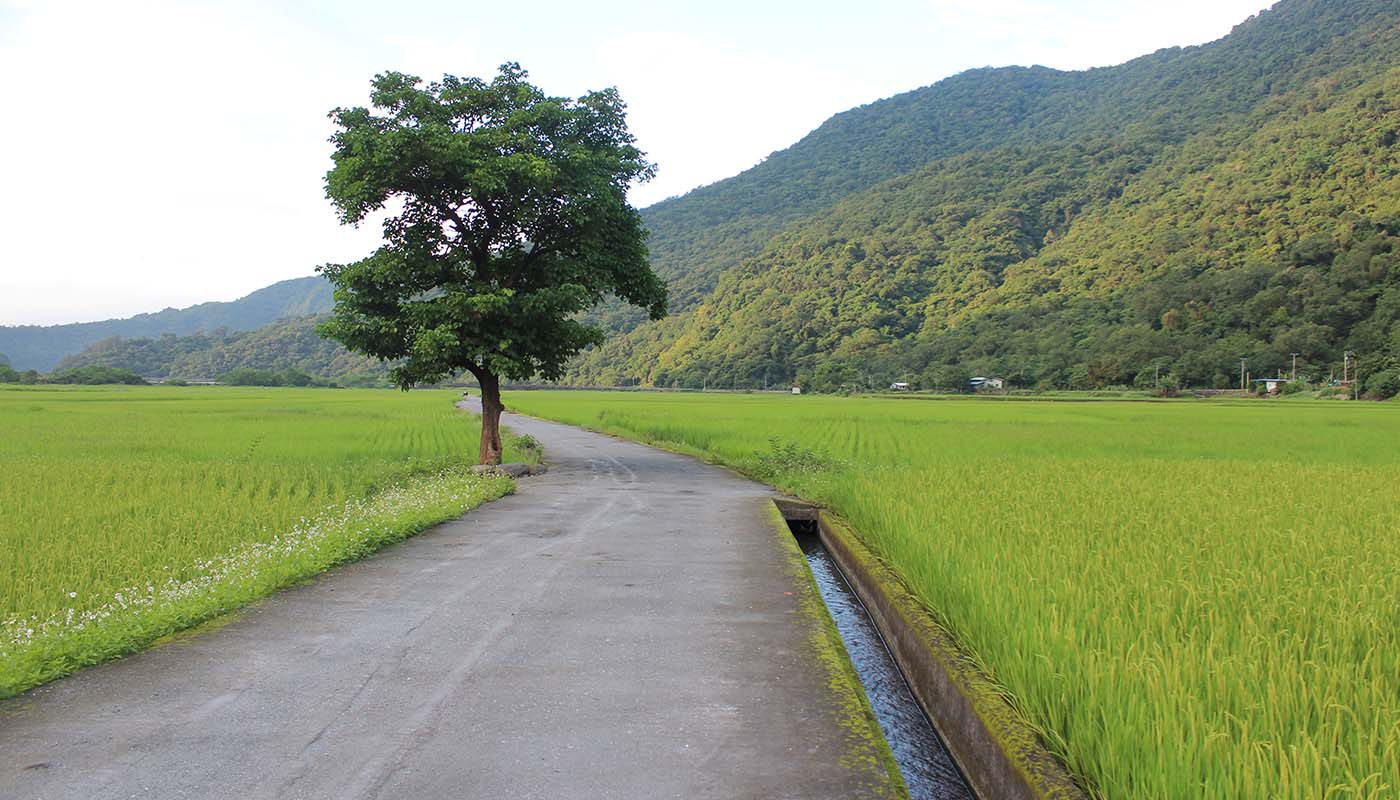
x=127 y=513
x=1187 y=599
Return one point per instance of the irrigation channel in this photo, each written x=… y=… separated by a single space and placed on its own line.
x=928 y=769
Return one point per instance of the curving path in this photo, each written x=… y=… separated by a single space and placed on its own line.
x=622 y=627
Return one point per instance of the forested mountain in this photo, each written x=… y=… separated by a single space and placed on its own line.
x=290 y=344
x=42 y=347
x=1170 y=215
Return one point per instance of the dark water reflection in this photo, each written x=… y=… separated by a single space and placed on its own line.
x=928 y=769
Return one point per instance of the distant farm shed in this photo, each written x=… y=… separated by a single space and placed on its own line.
x=899 y=386
x=979 y=383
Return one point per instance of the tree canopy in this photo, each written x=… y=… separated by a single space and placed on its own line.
x=507 y=217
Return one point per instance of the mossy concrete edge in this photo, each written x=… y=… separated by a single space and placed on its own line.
x=868 y=751
x=1001 y=755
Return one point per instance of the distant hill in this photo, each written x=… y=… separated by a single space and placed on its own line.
x=1167 y=216
x=1165 y=97
x=289 y=344
x=43 y=347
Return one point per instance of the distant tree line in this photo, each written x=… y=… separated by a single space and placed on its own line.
x=245 y=376
x=98 y=374
x=289 y=349
x=90 y=375
x=42 y=347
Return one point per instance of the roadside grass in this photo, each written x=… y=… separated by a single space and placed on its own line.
x=1186 y=599
x=132 y=513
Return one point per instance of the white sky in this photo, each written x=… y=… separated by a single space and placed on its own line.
x=161 y=154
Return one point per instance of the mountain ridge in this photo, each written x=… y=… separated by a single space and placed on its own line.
x=863 y=146
x=42 y=347
x=290 y=344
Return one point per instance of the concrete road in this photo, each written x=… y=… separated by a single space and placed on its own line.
x=623 y=627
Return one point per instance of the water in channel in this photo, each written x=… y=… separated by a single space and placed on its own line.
x=928 y=769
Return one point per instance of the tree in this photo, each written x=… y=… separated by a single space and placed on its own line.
x=95 y=375
x=514 y=219
x=947 y=378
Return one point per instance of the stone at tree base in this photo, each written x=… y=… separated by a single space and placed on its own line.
x=514 y=469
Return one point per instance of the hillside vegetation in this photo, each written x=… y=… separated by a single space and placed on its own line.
x=42 y=347
x=1168 y=216
x=289 y=345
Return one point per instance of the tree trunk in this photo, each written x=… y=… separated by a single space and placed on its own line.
x=491 y=409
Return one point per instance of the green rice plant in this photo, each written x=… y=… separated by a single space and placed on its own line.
x=128 y=513
x=1187 y=599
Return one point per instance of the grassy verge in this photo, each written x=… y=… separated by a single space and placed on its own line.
x=33 y=650
x=137 y=512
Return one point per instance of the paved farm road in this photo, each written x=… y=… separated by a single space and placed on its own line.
x=617 y=629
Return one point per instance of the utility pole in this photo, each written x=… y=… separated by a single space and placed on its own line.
x=1351 y=374
x=1295 y=365
x=1241 y=374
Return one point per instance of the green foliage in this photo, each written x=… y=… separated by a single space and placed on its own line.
x=244 y=376
x=1173 y=593
x=43 y=347
x=528 y=446
x=287 y=345
x=785 y=458
x=94 y=375
x=1384 y=384
x=1163 y=97
x=947 y=378
x=1167 y=386
x=521 y=223
x=1181 y=211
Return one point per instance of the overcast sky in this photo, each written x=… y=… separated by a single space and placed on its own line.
x=160 y=154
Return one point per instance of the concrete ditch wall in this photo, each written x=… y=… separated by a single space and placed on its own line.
x=1001 y=756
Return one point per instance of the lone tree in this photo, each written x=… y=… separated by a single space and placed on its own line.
x=514 y=219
